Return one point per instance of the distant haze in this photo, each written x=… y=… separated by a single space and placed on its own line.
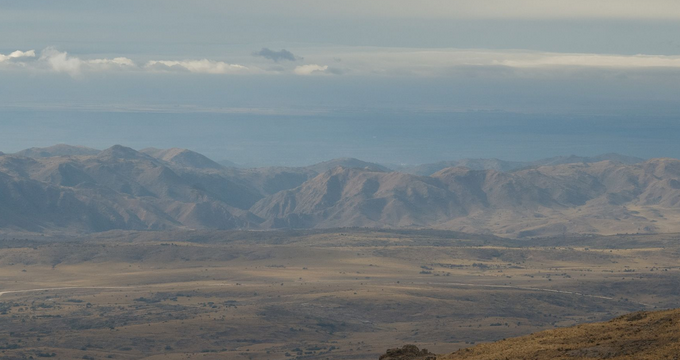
x=300 y=81
x=270 y=82
x=388 y=137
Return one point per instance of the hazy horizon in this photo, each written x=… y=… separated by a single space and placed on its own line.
x=381 y=137
x=266 y=82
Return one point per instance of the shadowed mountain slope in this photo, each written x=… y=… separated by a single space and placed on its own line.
x=603 y=197
x=354 y=197
x=119 y=188
x=270 y=180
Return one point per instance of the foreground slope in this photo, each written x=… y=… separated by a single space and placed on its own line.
x=639 y=336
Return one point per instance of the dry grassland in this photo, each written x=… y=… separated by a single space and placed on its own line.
x=346 y=294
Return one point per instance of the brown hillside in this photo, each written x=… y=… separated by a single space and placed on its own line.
x=639 y=336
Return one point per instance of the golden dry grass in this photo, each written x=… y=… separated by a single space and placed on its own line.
x=345 y=294
x=637 y=336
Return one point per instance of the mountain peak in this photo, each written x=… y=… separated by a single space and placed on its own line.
x=183 y=158
x=119 y=152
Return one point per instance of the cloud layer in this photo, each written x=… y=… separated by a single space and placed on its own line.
x=16 y=55
x=461 y=9
x=310 y=69
x=204 y=66
x=354 y=61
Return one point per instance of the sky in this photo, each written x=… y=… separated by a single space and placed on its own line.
x=317 y=68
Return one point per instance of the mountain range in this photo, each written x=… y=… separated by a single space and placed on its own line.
x=502 y=165
x=75 y=189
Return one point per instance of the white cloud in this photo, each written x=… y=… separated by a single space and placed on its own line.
x=361 y=61
x=110 y=63
x=366 y=61
x=61 y=62
x=204 y=66
x=592 y=60
x=310 y=69
x=17 y=54
x=54 y=60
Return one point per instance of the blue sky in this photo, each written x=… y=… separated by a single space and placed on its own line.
x=327 y=59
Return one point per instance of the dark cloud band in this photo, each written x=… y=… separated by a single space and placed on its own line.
x=276 y=56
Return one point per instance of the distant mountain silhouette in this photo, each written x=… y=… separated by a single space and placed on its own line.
x=58 y=150
x=182 y=158
x=227 y=163
x=603 y=197
x=350 y=163
x=502 y=165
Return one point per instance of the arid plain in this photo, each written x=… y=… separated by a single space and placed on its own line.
x=314 y=294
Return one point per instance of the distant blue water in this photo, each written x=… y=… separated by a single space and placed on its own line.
x=386 y=137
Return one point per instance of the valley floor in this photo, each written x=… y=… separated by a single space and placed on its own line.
x=336 y=294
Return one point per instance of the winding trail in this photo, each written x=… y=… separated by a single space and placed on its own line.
x=65 y=288
x=89 y=287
